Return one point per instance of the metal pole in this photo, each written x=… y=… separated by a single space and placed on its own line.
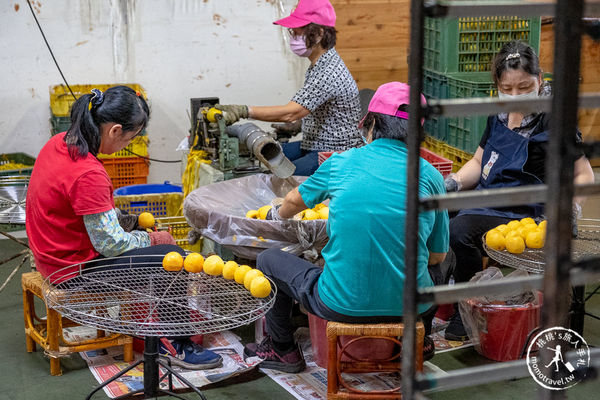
x=560 y=169
x=415 y=137
x=150 y=366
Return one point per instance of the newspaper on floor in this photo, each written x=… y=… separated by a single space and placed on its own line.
x=107 y=362
x=311 y=384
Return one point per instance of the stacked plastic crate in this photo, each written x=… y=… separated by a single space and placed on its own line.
x=126 y=167
x=458 y=57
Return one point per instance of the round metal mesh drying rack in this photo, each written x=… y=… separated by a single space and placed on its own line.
x=141 y=298
x=587 y=244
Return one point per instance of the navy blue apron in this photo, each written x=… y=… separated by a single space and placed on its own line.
x=504 y=157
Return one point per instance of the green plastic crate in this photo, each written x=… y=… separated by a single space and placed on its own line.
x=435 y=86
x=62 y=124
x=59 y=124
x=20 y=158
x=465 y=133
x=469 y=44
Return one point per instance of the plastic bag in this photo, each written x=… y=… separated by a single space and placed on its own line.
x=499 y=325
x=218 y=212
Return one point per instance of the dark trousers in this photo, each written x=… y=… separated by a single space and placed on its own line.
x=306 y=161
x=297 y=279
x=466 y=232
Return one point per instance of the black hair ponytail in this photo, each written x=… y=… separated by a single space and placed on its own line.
x=119 y=104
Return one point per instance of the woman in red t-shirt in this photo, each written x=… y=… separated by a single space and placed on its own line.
x=70 y=212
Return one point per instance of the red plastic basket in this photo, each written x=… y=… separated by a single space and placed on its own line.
x=126 y=171
x=440 y=163
x=504 y=328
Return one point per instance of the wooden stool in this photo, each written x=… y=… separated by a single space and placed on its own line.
x=335 y=365
x=48 y=333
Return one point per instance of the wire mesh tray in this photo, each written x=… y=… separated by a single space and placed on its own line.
x=143 y=299
x=587 y=244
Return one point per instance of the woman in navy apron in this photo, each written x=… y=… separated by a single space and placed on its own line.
x=511 y=153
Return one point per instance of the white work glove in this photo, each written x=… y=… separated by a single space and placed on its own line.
x=273 y=214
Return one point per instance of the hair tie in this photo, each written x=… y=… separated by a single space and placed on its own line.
x=138 y=94
x=513 y=55
x=97 y=99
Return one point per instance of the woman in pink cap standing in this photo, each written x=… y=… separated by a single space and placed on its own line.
x=328 y=103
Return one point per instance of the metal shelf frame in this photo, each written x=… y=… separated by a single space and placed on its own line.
x=560 y=272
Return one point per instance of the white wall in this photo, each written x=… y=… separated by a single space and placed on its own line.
x=176 y=49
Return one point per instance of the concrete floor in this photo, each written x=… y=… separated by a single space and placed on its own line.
x=26 y=376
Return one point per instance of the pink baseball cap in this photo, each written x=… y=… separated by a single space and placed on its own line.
x=319 y=12
x=388 y=98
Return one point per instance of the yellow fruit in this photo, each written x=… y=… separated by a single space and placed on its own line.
x=260 y=287
x=146 y=220
x=210 y=115
x=512 y=225
x=262 y=212
x=503 y=229
x=495 y=240
x=543 y=225
x=229 y=269
x=253 y=273
x=240 y=273
x=213 y=265
x=310 y=214
x=527 y=221
x=524 y=230
x=252 y=214
x=319 y=206
x=172 y=261
x=512 y=233
x=324 y=213
x=515 y=244
x=535 y=239
x=193 y=262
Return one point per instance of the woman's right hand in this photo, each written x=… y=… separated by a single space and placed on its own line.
x=233 y=113
x=161 y=237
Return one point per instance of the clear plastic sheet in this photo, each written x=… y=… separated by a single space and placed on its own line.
x=499 y=325
x=218 y=212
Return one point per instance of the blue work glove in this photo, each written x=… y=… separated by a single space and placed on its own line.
x=452 y=183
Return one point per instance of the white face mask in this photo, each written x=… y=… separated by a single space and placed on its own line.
x=531 y=95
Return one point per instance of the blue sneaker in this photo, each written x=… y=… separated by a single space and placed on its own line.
x=189 y=355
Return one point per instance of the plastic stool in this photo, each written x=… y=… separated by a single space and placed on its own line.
x=48 y=333
x=337 y=387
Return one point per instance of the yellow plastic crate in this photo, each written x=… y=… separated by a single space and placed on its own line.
x=139 y=146
x=61 y=99
x=178 y=228
x=435 y=145
x=159 y=204
x=457 y=156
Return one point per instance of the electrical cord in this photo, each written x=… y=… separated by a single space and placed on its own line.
x=49 y=49
x=152 y=159
x=71 y=91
